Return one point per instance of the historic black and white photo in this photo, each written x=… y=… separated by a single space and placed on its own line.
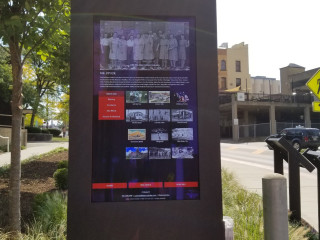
x=159 y=153
x=137 y=115
x=181 y=115
x=159 y=96
x=159 y=134
x=182 y=152
x=137 y=97
x=159 y=115
x=182 y=134
x=144 y=45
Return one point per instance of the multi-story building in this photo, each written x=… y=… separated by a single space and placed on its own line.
x=285 y=73
x=294 y=78
x=259 y=106
x=233 y=67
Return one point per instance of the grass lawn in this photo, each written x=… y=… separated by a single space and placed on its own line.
x=60 y=139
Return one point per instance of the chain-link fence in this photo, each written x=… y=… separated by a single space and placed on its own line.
x=254 y=130
x=264 y=130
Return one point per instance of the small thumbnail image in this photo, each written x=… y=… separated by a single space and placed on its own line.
x=137 y=97
x=159 y=134
x=181 y=97
x=136 y=134
x=136 y=153
x=182 y=152
x=159 y=96
x=159 y=153
x=182 y=134
x=178 y=115
x=159 y=115
x=140 y=115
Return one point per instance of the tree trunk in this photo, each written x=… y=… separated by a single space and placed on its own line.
x=15 y=168
x=35 y=111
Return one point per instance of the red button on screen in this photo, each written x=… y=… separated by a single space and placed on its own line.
x=180 y=184
x=108 y=185
x=146 y=185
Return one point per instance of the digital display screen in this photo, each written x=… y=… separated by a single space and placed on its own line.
x=145 y=113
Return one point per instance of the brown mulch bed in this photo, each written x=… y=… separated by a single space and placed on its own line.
x=36 y=177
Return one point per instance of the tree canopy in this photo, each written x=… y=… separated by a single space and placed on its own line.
x=5 y=77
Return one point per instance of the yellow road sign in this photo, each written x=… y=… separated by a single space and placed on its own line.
x=316 y=106
x=314 y=84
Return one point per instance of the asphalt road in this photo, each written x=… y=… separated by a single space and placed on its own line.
x=250 y=162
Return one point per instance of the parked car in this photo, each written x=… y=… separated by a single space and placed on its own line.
x=301 y=137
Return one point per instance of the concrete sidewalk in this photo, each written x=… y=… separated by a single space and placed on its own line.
x=33 y=149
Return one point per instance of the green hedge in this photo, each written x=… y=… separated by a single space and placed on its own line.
x=45 y=131
x=33 y=129
x=54 y=132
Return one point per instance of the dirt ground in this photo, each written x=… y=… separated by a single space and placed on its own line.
x=36 y=177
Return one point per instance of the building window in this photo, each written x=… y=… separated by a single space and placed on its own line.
x=223 y=83
x=238 y=82
x=238 y=66
x=223 y=65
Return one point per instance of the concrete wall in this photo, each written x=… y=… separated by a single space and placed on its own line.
x=6 y=132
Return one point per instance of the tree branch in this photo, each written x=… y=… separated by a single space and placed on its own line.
x=5 y=49
x=27 y=29
x=43 y=36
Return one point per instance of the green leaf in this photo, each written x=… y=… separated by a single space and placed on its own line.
x=62 y=32
x=67 y=13
x=43 y=58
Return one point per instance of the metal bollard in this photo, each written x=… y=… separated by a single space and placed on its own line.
x=228 y=227
x=275 y=209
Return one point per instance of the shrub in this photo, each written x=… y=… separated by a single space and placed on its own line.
x=46 y=131
x=63 y=164
x=50 y=212
x=33 y=129
x=54 y=132
x=61 y=178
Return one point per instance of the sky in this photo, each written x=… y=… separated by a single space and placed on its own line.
x=278 y=32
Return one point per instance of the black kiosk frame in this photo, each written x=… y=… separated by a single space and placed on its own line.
x=176 y=218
